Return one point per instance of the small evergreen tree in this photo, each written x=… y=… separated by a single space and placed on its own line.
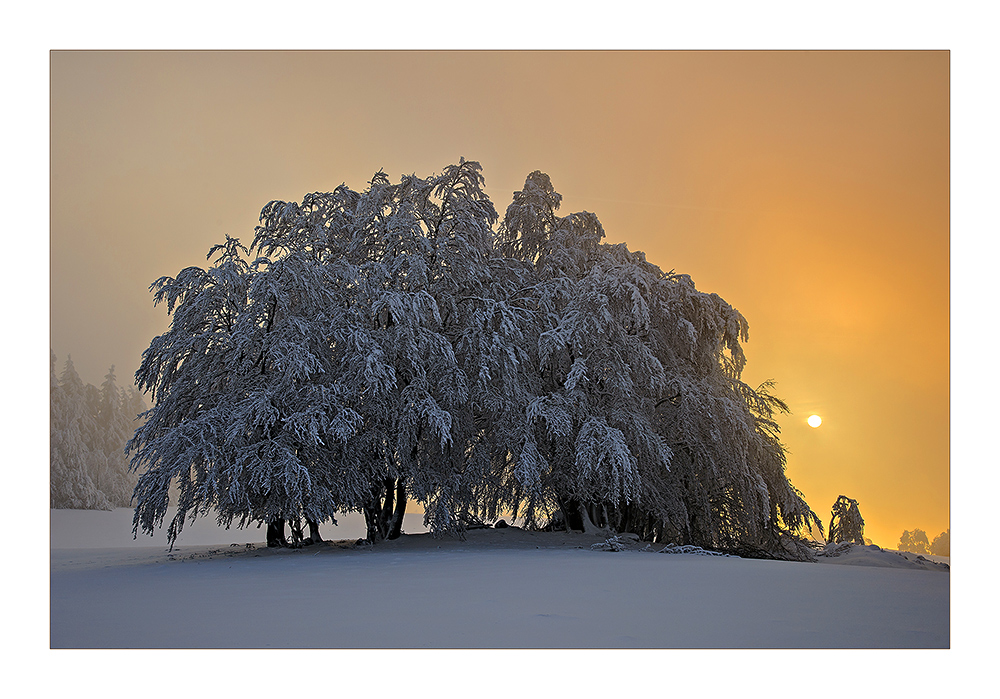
x=114 y=429
x=89 y=428
x=75 y=466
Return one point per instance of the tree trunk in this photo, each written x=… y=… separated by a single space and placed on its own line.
x=577 y=516
x=396 y=527
x=295 y=525
x=378 y=510
x=586 y=523
x=620 y=518
x=276 y=534
x=598 y=513
x=386 y=514
x=314 y=536
x=373 y=513
x=571 y=515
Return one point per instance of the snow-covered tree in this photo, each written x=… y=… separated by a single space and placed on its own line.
x=76 y=459
x=412 y=263
x=115 y=426
x=246 y=402
x=641 y=421
x=941 y=546
x=321 y=377
x=373 y=347
x=846 y=523
x=426 y=265
x=914 y=542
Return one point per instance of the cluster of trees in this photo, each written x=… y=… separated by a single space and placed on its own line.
x=404 y=342
x=916 y=542
x=89 y=428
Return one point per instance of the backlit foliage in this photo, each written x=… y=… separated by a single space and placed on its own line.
x=372 y=347
x=846 y=523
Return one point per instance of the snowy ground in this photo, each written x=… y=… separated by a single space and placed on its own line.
x=497 y=589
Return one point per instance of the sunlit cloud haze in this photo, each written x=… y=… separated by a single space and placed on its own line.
x=808 y=189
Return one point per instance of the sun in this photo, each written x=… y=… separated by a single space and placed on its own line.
x=815 y=421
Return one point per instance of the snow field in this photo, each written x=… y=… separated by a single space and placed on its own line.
x=119 y=595
x=496 y=599
x=465 y=595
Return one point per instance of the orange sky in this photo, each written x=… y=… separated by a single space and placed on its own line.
x=808 y=189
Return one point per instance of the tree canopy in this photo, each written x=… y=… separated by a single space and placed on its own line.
x=915 y=541
x=941 y=546
x=404 y=342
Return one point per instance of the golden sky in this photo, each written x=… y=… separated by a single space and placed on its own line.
x=809 y=189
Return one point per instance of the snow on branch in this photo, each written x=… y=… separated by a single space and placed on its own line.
x=405 y=342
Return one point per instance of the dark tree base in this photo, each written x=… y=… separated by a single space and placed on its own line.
x=276 y=534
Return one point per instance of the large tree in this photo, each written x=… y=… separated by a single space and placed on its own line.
x=641 y=421
x=247 y=406
x=372 y=347
x=321 y=377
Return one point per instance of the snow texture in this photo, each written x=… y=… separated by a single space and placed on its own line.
x=497 y=588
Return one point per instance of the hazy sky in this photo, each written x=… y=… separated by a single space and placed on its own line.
x=808 y=189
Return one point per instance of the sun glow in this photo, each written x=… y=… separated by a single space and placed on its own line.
x=815 y=421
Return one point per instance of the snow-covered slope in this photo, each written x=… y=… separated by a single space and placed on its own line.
x=496 y=589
